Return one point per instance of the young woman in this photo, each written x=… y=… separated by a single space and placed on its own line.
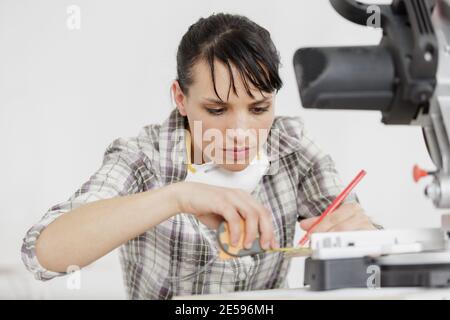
x=220 y=155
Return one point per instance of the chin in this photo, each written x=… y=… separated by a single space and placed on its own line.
x=234 y=167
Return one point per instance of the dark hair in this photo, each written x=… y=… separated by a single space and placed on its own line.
x=232 y=39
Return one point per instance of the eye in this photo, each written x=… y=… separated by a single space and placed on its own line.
x=260 y=110
x=215 y=111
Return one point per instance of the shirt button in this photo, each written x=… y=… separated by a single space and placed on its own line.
x=242 y=275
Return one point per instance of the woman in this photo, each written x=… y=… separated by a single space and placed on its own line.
x=221 y=155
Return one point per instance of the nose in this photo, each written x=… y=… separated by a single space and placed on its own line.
x=238 y=128
x=239 y=121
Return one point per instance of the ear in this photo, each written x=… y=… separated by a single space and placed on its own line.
x=179 y=97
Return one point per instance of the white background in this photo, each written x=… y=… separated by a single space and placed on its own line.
x=66 y=94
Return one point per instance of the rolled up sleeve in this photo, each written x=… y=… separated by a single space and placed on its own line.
x=120 y=174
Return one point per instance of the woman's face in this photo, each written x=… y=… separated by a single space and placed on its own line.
x=228 y=132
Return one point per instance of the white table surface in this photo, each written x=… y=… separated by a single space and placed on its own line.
x=306 y=294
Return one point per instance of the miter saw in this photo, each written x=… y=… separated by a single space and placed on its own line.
x=406 y=77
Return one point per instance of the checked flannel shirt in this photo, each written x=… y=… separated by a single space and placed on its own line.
x=179 y=256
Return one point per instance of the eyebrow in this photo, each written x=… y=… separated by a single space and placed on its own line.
x=223 y=103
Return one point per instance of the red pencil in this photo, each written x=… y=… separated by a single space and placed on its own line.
x=341 y=197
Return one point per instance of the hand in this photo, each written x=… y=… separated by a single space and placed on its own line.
x=211 y=205
x=347 y=217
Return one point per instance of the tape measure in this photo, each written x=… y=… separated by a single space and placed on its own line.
x=228 y=251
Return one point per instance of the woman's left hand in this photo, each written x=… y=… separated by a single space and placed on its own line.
x=348 y=217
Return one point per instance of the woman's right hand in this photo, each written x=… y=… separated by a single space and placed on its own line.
x=212 y=204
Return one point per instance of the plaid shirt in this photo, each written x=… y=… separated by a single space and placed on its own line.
x=179 y=256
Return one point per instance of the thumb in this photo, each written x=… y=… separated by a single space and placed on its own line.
x=306 y=224
x=212 y=221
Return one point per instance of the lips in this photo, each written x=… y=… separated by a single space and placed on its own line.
x=238 y=152
x=237 y=149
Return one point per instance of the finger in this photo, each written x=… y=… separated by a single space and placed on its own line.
x=306 y=224
x=344 y=212
x=357 y=223
x=347 y=225
x=266 y=230
x=264 y=220
x=251 y=228
x=334 y=218
x=234 y=223
x=249 y=215
x=212 y=221
x=275 y=244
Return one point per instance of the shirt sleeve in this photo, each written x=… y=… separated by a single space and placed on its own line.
x=319 y=187
x=120 y=174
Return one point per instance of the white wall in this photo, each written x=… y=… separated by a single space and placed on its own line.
x=66 y=94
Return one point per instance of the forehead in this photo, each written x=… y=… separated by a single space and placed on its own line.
x=203 y=86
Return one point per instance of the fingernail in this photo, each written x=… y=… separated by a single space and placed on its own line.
x=266 y=245
x=248 y=245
